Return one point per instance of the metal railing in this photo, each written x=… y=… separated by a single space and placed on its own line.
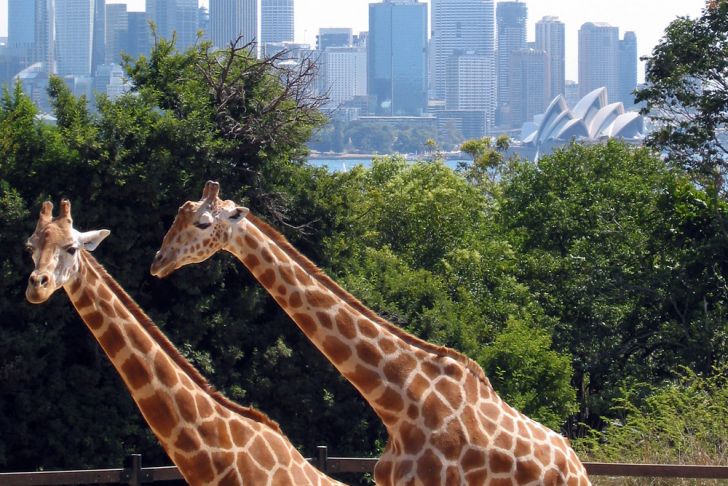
x=134 y=474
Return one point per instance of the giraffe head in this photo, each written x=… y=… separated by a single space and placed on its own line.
x=54 y=247
x=200 y=229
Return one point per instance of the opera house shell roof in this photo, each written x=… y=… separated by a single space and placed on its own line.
x=592 y=119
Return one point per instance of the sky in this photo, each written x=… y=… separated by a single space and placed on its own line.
x=648 y=18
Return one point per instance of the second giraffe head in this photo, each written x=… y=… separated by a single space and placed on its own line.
x=200 y=229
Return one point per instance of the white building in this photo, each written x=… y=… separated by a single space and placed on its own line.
x=458 y=25
x=472 y=85
x=345 y=74
x=232 y=18
x=276 y=21
x=551 y=38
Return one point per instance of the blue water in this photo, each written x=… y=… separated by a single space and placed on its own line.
x=343 y=165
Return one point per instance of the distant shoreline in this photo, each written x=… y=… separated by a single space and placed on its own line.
x=352 y=156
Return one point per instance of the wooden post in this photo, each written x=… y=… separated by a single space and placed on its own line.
x=133 y=469
x=322 y=456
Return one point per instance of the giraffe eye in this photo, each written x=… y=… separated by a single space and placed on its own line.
x=29 y=249
x=71 y=250
x=203 y=226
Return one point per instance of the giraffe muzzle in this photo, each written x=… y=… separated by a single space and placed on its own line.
x=39 y=287
x=160 y=266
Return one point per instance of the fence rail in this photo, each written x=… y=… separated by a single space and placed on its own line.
x=134 y=474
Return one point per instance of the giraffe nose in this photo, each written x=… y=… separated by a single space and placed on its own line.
x=39 y=280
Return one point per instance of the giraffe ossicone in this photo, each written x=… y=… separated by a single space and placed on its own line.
x=445 y=422
x=211 y=439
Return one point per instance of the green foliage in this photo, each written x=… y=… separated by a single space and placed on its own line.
x=519 y=362
x=684 y=421
x=687 y=94
x=622 y=252
x=418 y=244
x=565 y=279
x=128 y=169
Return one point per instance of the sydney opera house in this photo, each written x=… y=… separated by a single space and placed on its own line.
x=592 y=120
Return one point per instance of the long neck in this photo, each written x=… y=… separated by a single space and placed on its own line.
x=391 y=369
x=210 y=439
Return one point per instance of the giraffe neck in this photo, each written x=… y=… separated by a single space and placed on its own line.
x=389 y=367
x=209 y=438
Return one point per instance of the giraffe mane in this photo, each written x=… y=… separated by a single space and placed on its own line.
x=160 y=338
x=330 y=284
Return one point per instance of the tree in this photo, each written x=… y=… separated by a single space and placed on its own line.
x=624 y=253
x=127 y=169
x=686 y=94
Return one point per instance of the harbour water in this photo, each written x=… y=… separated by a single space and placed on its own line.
x=346 y=164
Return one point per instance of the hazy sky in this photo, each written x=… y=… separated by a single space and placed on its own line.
x=648 y=18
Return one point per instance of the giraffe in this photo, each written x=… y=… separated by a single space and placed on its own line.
x=445 y=422
x=210 y=438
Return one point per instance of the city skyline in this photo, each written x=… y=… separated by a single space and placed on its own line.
x=628 y=15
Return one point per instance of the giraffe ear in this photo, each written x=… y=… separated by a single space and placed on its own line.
x=91 y=239
x=237 y=214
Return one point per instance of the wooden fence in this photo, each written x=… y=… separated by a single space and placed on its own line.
x=134 y=474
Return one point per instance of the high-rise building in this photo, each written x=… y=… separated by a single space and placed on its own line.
x=459 y=25
x=276 y=21
x=571 y=93
x=203 y=21
x=511 y=20
x=44 y=47
x=333 y=37
x=627 y=69
x=74 y=36
x=529 y=86
x=230 y=19
x=471 y=87
x=21 y=24
x=175 y=17
x=598 y=58
x=551 y=38
x=345 y=74
x=397 y=57
x=138 y=41
x=117 y=31
x=98 y=49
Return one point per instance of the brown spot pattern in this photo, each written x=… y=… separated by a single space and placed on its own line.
x=112 y=341
x=335 y=349
x=267 y=278
x=136 y=372
x=345 y=324
x=368 y=353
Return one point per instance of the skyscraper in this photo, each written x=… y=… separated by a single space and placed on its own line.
x=459 y=25
x=139 y=39
x=276 y=21
x=529 y=85
x=117 y=31
x=471 y=87
x=333 y=37
x=98 y=49
x=511 y=19
x=21 y=24
x=232 y=18
x=74 y=36
x=397 y=57
x=598 y=59
x=345 y=73
x=175 y=17
x=550 y=37
x=627 y=69
x=45 y=33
